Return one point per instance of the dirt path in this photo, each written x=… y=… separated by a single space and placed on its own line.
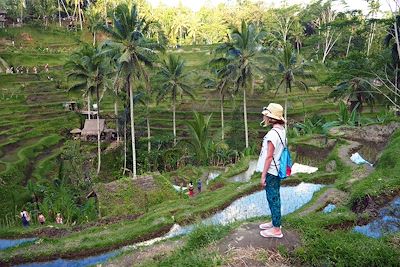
x=141 y=255
x=332 y=195
x=248 y=235
x=345 y=152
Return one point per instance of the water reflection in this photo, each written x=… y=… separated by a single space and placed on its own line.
x=93 y=260
x=388 y=221
x=245 y=176
x=212 y=175
x=256 y=205
x=7 y=243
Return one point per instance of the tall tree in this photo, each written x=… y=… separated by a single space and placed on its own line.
x=95 y=22
x=373 y=6
x=173 y=82
x=244 y=47
x=222 y=74
x=131 y=50
x=91 y=72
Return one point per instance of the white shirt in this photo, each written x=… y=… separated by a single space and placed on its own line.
x=272 y=136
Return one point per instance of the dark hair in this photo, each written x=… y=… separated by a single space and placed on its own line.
x=274 y=121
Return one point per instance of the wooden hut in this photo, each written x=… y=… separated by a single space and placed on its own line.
x=3 y=18
x=89 y=131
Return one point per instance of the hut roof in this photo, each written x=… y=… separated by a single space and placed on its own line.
x=90 y=127
x=3 y=12
x=85 y=112
x=2 y=19
x=76 y=131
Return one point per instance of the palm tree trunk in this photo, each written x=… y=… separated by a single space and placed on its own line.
x=88 y=105
x=94 y=38
x=173 y=117
x=246 y=130
x=132 y=129
x=80 y=15
x=286 y=112
x=222 y=116
x=116 y=118
x=148 y=133
x=98 y=132
x=65 y=8
x=396 y=85
x=124 y=146
x=59 y=13
x=348 y=45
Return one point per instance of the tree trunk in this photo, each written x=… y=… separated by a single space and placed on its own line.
x=124 y=146
x=80 y=15
x=173 y=117
x=88 y=105
x=148 y=133
x=396 y=85
x=286 y=112
x=246 y=130
x=222 y=116
x=59 y=13
x=348 y=45
x=98 y=131
x=132 y=129
x=94 y=38
x=116 y=118
x=371 y=38
x=65 y=8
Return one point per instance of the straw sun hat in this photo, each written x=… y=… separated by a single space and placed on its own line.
x=274 y=111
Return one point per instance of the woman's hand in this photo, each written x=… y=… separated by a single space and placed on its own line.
x=262 y=181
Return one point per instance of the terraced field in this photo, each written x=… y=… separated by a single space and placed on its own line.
x=34 y=125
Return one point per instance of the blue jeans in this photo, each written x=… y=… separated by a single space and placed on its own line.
x=274 y=198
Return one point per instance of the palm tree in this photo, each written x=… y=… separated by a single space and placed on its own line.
x=245 y=45
x=394 y=34
x=290 y=67
x=173 y=81
x=95 y=22
x=131 y=50
x=91 y=73
x=355 y=91
x=222 y=73
x=199 y=142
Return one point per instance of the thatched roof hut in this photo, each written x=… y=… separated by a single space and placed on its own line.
x=90 y=127
x=76 y=131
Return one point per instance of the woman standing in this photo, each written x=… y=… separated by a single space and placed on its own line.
x=268 y=165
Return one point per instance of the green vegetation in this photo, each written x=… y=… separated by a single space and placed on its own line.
x=184 y=91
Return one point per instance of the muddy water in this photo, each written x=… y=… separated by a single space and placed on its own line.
x=254 y=205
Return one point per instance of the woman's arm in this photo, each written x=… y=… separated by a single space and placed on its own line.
x=268 y=160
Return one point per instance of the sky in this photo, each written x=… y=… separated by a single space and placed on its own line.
x=195 y=5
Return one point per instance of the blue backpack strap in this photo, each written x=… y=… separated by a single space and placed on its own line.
x=276 y=166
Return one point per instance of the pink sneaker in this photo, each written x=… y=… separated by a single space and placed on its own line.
x=265 y=226
x=270 y=233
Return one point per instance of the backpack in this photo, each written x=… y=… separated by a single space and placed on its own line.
x=285 y=161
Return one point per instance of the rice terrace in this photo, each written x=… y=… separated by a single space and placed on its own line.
x=199 y=133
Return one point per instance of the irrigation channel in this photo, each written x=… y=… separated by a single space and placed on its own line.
x=254 y=205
